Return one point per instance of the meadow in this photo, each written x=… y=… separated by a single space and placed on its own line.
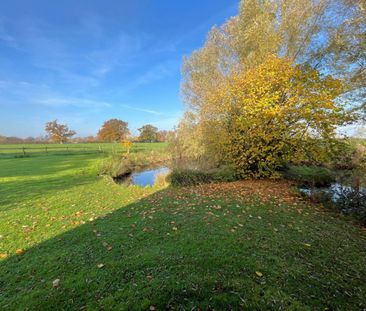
x=21 y=150
x=73 y=240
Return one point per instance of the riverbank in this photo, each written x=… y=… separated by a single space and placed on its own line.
x=242 y=245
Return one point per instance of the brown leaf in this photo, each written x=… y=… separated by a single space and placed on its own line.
x=3 y=255
x=56 y=283
x=20 y=251
x=260 y=274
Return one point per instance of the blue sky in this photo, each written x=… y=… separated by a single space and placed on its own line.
x=85 y=61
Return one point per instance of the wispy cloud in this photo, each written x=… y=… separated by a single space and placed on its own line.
x=167 y=123
x=155 y=73
x=88 y=103
x=75 y=102
x=6 y=37
x=154 y=112
x=14 y=84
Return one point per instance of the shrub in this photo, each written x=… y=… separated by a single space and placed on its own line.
x=116 y=166
x=352 y=201
x=310 y=175
x=188 y=177
x=121 y=165
x=224 y=173
x=348 y=155
x=161 y=179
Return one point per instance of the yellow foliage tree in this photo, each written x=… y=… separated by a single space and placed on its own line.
x=127 y=144
x=271 y=114
x=257 y=89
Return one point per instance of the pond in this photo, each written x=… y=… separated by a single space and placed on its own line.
x=346 y=197
x=332 y=193
x=147 y=176
x=144 y=178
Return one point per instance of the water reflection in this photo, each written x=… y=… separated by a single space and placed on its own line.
x=144 y=178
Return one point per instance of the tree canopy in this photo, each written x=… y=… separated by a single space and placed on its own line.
x=148 y=133
x=57 y=132
x=273 y=81
x=114 y=130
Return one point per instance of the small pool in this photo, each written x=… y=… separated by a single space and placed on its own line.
x=144 y=178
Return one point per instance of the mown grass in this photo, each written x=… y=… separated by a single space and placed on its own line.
x=16 y=150
x=242 y=245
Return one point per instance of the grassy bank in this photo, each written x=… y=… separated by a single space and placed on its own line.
x=242 y=245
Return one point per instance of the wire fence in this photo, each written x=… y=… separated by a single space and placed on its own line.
x=25 y=151
x=92 y=148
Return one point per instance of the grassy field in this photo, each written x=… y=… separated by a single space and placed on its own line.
x=11 y=150
x=242 y=246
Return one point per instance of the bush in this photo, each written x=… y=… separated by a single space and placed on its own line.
x=352 y=201
x=161 y=179
x=224 y=173
x=189 y=177
x=116 y=165
x=120 y=165
x=310 y=175
x=348 y=155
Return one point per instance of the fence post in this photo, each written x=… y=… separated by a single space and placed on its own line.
x=23 y=151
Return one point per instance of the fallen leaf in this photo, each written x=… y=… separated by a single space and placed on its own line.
x=56 y=283
x=260 y=274
x=20 y=251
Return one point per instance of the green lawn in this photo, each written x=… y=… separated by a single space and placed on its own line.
x=12 y=150
x=244 y=245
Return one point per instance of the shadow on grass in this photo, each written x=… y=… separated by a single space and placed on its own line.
x=31 y=178
x=14 y=192
x=164 y=251
x=42 y=166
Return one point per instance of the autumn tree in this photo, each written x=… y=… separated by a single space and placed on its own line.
x=127 y=145
x=164 y=135
x=58 y=133
x=278 y=113
x=113 y=130
x=327 y=35
x=271 y=83
x=187 y=140
x=148 y=133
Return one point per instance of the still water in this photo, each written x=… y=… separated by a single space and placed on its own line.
x=144 y=178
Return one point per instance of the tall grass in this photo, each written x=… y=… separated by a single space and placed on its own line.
x=121 y=165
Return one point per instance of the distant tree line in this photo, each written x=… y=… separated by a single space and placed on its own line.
x=27 y=140
x=113 y=130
